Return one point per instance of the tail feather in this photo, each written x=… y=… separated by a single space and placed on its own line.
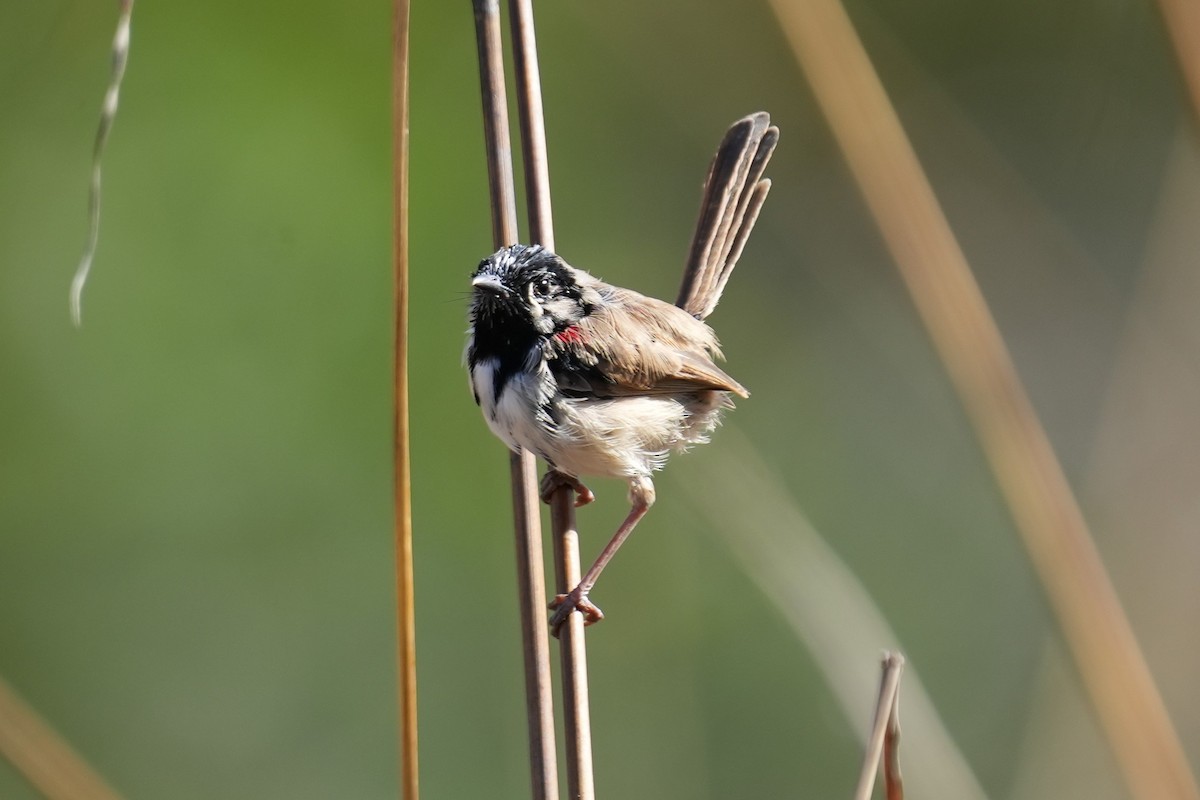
x=734 y=192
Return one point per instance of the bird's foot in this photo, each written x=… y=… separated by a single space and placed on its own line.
x=575 y=600
x=554 y=480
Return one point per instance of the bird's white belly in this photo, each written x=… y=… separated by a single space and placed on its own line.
x=620 y=437
x=614 y=437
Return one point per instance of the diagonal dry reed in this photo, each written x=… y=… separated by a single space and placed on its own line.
x=406 y=642
x=1182 y=18
x=526 y=521
x=1051 y=524
x=821 y=600
x=572 y=651
x=43 y=757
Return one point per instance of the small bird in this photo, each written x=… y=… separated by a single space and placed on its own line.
x=600 y=380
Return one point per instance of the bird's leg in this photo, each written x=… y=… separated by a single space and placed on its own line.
x=554 y=480
x=641 y=496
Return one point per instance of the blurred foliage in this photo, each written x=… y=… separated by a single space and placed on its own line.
x=195 y=538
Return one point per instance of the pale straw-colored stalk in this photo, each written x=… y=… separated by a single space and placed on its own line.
x=1182 y=18
x=884 y=741
x=1050 y=522
x=822 y=601
x=43 y=757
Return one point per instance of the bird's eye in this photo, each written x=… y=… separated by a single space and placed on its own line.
x=543 y=287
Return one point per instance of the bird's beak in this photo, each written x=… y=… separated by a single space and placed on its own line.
x=490 y=283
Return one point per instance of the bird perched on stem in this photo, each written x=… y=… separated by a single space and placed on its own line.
x=600 y=380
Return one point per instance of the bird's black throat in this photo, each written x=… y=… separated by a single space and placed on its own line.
x=503 y=333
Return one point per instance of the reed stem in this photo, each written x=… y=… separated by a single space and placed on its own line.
x=1182 y=18
x=949 y=301
x=572 y=649
x=406 y=656
x=43 y=757
x=885 y=735
x=531 y=588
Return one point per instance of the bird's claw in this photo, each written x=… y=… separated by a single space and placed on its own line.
x=554 y=480
x=565 y=604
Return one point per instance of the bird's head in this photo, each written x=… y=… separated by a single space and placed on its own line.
x=528 y=287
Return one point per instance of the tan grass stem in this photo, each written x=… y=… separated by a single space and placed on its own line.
x=885 y=735
x=1046 y=513
x=1182 y=18
x=42 y=756
x=406 y=637
x=826 y=606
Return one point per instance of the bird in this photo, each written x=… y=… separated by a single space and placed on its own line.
x=599 y=380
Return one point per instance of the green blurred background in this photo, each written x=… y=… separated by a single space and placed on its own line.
x=195 y=488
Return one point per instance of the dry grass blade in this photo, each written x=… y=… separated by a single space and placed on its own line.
x=573 y=653
x=1182 y=18
x=406 y=637
x=531 y=587
x=1051 y=524
x=108 y=114
x=827 y=607
x=43 y=757
x=884 y=723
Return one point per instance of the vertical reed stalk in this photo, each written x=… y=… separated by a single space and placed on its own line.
x=527 y=527
x=573 y=653
x=1045 y=511
x=796 y=569
x=577 y=715
x=893 y=781
x=885 y=735
x=406 y=642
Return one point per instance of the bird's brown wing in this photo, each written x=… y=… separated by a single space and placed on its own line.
x=636 y=345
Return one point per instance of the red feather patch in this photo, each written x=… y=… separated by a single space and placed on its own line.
x=571 y=335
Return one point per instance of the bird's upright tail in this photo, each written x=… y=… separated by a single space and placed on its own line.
x=734 y=192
